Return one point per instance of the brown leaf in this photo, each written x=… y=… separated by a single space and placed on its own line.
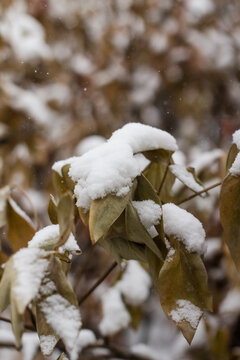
x=65 y=211
x=183 y=277
x=104 y=212
x=231 y=156
x=136 y=231
x=230 y=215
x=52 y=210
x=20 y=231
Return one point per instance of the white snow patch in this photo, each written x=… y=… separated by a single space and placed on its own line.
x=57 y=166
x=31 y=267
x=236 y=138
x=47 y=344
x=115 y=314
x=112 y=167
x=47 y=237
x=186 y=311
x=206 y=159
x=235 y=168
x=135 y=284
x=171 y=251
x=86 y=337
x=63 y=317
x=149 y=213
x=186 y=177
x=231 y=302
x=182 y=224
x=89 y=143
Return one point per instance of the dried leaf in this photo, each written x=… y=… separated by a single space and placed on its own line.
x=52 y=210
x=231 y=156
x=155 y=173
x=65 y=211
x=104 y=212
x=59 y=184
x=67 y=179
x=230 y=215
x=20 y=231
x=136 y=231
x=183 y=276
x=123 y=249
x=158 y=156
x=84 y=216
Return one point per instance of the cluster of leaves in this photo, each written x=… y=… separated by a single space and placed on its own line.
x=115 y=224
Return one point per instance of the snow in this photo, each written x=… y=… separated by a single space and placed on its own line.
x=4 y=194
x=63 y=317
x=186 y=311
x=206 y=159
x=47 y=343
x=144 y=351
x=57 y=166
x=213 y=247
x=146 y=82
x=86 y=337
x=144 y=137
x=112 y=166
x=235 y=168
x=231 y=302
x=149 y=213
x=82 y=65
x=183 y=225
x=31 y=267
x=171 y=251
x=89 y=143
x=25 y=35
x=135 y=284
x=115 y=314
x=186 y=177
x=236 y=138
x=47 y=237
x=199 y=7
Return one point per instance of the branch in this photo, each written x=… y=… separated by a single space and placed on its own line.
x=98 y=282
x=199 y=193
x=27 y=327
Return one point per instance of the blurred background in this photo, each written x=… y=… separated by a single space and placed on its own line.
x=70 y=69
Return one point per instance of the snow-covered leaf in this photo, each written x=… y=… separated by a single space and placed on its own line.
x=183 y=276
x=232 y=154
x=136 y=232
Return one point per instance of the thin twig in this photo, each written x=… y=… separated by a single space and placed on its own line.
x=27 y=327
x=164 y=176
x=199 y=193
x=98 y=282
x=30 y=201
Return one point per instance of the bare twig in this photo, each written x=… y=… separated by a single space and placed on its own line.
x=199 y=193
x=98 y=282
x=27 y=327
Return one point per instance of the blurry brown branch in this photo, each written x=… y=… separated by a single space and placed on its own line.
x=98 y=282
x=199 y=193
